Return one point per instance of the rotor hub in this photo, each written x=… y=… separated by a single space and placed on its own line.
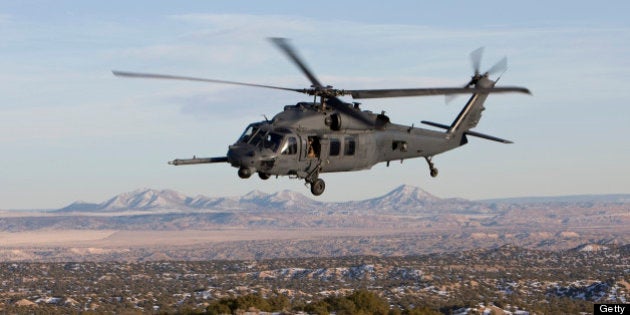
x=327 y=91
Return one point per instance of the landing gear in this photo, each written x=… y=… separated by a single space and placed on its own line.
x=312 y=178
x=318 y=186
x=432 y=169
x=434 y=172
x=244 y=172
x=263 y=176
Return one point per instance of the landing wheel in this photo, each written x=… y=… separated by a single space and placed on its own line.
x=434 y=172
x=244 y=173
x=263 y=176
x=432 y=169
x=318 y=186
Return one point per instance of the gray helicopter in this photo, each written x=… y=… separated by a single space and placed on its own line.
x=329 y=135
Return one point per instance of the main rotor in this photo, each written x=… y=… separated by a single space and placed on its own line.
x=330 y=95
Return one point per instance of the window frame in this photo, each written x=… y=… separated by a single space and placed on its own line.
x=349 y=146
x=334 y=147
x=291 y=143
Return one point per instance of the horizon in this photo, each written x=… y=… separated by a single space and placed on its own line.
x=71 y=130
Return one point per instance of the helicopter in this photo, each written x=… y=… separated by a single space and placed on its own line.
x=330 y=135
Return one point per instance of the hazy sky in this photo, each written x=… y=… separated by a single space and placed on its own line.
x=70 y=130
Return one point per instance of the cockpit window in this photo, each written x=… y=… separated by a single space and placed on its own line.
x=290 y=146
x=272 y=141
x=248 y=133
x=257 y=135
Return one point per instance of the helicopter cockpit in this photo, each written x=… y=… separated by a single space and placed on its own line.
x=251 y=134
x=264 y=138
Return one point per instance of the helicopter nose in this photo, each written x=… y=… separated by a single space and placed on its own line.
x=242 y=156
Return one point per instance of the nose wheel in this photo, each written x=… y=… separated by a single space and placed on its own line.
x=433 y=171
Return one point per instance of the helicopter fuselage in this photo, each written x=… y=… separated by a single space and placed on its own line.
x=307 y=138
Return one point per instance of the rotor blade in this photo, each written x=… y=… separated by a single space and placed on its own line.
x=176 y=77
x=475 y=59
x=450 y=97
x=500 y=66
x=283 y=44
x=385 y=93
x=334 y=102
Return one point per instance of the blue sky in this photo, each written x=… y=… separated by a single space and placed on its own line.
x=69 y=130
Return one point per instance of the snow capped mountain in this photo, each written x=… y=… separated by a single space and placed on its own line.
x=143 y=199
x=150 y=199
x=254 y=195
x=203 y=202
x=140 y=199
x=402 y=199
x=406 y=193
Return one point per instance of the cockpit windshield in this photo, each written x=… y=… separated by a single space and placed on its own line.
x=261 y=137
x=251 y=135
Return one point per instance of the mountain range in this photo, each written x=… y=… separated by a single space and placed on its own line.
x=402 y=199
x=406 y=220
x=163 y=200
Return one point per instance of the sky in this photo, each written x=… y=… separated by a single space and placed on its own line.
x=70 y=130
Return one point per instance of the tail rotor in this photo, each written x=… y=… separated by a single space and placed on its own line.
x=475 y=60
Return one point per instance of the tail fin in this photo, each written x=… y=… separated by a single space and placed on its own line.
x=467 y=119
x=470 y=115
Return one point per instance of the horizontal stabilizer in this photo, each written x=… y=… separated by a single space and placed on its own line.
x=434 y=124
x=196 y=160
x=469 y=133
x=487 y=137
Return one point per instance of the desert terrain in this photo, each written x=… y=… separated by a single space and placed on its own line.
x=165 y=225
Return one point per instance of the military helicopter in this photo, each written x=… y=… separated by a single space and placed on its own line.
x=329 y=135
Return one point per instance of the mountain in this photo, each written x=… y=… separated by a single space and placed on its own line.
x=407 y=199
x=286 y=199
x=80 y=206
x=140 y=199
x=403 y=197
x=145 y=199
x=154 y=200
